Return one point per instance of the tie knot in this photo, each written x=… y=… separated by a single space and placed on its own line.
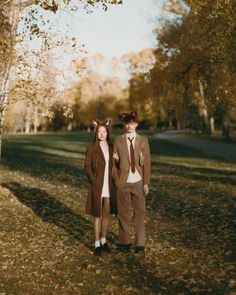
x=130 y=139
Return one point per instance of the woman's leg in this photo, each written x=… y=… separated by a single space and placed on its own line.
x=97 y=228
x=105 y=216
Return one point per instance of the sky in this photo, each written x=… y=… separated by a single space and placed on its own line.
x=121 y=29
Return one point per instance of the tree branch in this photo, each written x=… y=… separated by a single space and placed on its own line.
x=28 y=3
x=4 y=3
x=44 y=5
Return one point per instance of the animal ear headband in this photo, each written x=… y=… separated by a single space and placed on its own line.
x=97 y=123
x=127 y=117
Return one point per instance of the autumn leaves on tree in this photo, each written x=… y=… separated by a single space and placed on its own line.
x=194 y=75
x=10 y=16
x=187 y=81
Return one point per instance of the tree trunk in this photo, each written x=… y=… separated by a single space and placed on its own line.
x=1 y=131
x=2 y=113
x=11 y=10
x=27 y=121
x=178 y=125
x=206 y=127
x=170 y=125
x=212 y=124
x=36 y=119
x=203 y=110
x=225 y=130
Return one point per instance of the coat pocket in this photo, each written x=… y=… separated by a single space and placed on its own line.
x=141 y=159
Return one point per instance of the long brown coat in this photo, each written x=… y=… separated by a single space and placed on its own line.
x=94 y=168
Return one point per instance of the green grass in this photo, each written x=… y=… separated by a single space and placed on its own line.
x=46 y=238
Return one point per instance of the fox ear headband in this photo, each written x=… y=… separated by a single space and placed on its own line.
x=98 y=123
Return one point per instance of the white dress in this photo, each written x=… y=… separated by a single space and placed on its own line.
x=105 y=188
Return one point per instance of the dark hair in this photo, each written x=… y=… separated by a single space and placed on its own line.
x=108 y=133
x=131 y=116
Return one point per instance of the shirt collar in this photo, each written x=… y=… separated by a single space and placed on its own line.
x=131 y=135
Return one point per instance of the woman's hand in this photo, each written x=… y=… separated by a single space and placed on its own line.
x=115 y=156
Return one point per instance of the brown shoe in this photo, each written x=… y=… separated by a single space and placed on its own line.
x=124 y=247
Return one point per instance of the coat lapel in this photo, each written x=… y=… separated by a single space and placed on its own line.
x=136 y=147
x=125 y=146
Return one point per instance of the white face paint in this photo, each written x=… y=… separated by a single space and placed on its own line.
x=102 y=133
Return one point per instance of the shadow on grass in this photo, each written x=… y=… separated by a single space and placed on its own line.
x=148 y=274
x=204 y=223
x=53 y=211
x=162 y=147
x=46 y=167
x=202 y=220
x=206 y=174
x=206 y=214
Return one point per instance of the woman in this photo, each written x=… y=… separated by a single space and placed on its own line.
x=101 y=199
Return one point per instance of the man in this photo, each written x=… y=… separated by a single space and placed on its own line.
x=131 y=173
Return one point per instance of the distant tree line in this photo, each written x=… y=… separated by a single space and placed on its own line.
x=187 y=81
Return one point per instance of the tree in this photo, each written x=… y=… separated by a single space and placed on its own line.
x=139 y=65
x=197 y=56
x=95 y=96
x=10 y=13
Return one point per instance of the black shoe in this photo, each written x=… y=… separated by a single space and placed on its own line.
x=139 y=249
x=105 y=248
x=98 y=251
x=123 y=247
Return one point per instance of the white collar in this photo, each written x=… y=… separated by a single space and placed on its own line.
x=131 y=135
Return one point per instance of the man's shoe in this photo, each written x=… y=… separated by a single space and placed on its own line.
x=105 y=248
x=98 y=251
x=139 y=249
x=123 y=247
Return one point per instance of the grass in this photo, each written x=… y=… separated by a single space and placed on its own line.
x=46 y=238
x=215 y=136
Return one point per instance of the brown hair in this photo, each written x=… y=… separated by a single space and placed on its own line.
x=106 y=124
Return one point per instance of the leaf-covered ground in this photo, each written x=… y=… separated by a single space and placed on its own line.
x=46 y=240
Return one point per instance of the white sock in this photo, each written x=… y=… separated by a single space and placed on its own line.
x=103 y=241
x=97 y=244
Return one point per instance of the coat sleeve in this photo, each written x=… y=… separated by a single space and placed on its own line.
x=88 y=163
x=115 y=166
x=147 y=162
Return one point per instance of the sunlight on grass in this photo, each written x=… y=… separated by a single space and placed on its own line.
x=55 y=152
x=47 y=238
x=195 y=162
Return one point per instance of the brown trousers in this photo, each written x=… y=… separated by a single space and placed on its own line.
x=131 y=193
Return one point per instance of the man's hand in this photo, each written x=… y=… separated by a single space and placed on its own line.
x=146 y=189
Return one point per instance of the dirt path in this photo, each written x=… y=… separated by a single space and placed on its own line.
x=220 y=149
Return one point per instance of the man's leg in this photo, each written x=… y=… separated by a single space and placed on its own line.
x=139 y=213
x=123 y=206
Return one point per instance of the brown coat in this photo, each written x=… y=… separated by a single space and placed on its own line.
x=94 y=168
x=142 y=159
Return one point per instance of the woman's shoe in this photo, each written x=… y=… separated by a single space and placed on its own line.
x=105 y=248
x=98 y=251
